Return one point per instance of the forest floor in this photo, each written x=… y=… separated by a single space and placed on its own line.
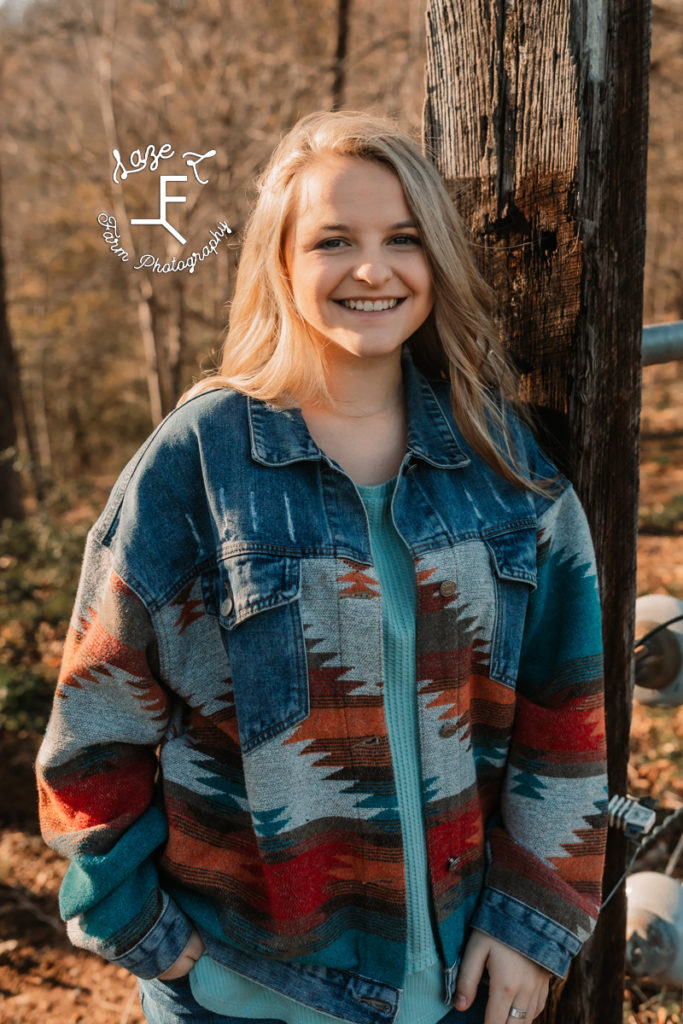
x=43 y=980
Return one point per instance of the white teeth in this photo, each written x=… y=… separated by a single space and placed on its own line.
x=369 y=307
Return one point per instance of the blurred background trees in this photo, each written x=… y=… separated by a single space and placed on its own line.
x=105 y=350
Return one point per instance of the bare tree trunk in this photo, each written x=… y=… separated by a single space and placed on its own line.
x=11 y=505
x=339 y=83
x=40 y=418
x=536 y=115
x=176 y=333
x=139 y=288
x=25 y=428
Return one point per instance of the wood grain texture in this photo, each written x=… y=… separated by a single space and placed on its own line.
x=536 y=116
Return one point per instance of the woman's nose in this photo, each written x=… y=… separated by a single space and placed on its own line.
x=372 y=270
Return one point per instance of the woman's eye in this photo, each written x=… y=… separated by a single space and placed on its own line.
x=406 y=240
x=331 y=243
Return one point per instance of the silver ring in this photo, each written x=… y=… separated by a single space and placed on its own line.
x=515 y=1012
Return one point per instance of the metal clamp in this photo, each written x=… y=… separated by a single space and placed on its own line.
x=633 y=817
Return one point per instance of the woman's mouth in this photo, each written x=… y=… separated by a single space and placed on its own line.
x=370 y=305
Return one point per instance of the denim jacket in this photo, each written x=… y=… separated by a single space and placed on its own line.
x=217 y=754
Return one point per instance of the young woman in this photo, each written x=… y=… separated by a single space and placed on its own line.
x=328 y=736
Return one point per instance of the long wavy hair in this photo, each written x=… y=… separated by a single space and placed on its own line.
x=269 y=352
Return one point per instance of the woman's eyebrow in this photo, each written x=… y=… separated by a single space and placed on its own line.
x=345 y=227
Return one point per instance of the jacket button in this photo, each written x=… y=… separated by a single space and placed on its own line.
x=448 y=588
x=448 y=729
x=228 y=603
x=452 y=863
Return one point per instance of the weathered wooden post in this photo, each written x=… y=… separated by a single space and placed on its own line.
x=536 y=114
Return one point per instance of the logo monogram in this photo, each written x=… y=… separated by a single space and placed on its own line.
x=149 y=159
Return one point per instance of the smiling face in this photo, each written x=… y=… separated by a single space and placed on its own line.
x=359 y=275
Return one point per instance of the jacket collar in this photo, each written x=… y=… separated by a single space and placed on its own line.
x=280 y=436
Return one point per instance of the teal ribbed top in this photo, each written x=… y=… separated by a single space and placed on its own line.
x=222 y=990
x=394 y=565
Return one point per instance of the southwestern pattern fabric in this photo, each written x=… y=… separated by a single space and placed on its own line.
x=218 y=749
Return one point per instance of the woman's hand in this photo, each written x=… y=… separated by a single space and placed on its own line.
x=186 y=961
x=515 y=981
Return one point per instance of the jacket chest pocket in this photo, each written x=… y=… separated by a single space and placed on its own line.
x=259 y=610
x=513 y=557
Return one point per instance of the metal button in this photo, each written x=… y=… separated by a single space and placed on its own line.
x=448 y=729
x=452 y=863
x=448 y=588
x=228 y=603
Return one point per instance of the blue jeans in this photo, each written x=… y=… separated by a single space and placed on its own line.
x=172 y=1002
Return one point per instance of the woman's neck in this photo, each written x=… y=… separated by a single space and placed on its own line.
x=363 y=387
x=365 y=426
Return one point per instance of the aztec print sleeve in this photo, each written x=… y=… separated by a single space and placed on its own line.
x=543 y=887
x=96 y=771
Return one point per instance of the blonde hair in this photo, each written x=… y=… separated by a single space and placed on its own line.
x=269 y=353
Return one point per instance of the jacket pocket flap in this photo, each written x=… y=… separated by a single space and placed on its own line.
x=252 y=583
x=514 y=555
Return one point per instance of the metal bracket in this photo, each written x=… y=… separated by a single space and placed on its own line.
x=634 y=817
